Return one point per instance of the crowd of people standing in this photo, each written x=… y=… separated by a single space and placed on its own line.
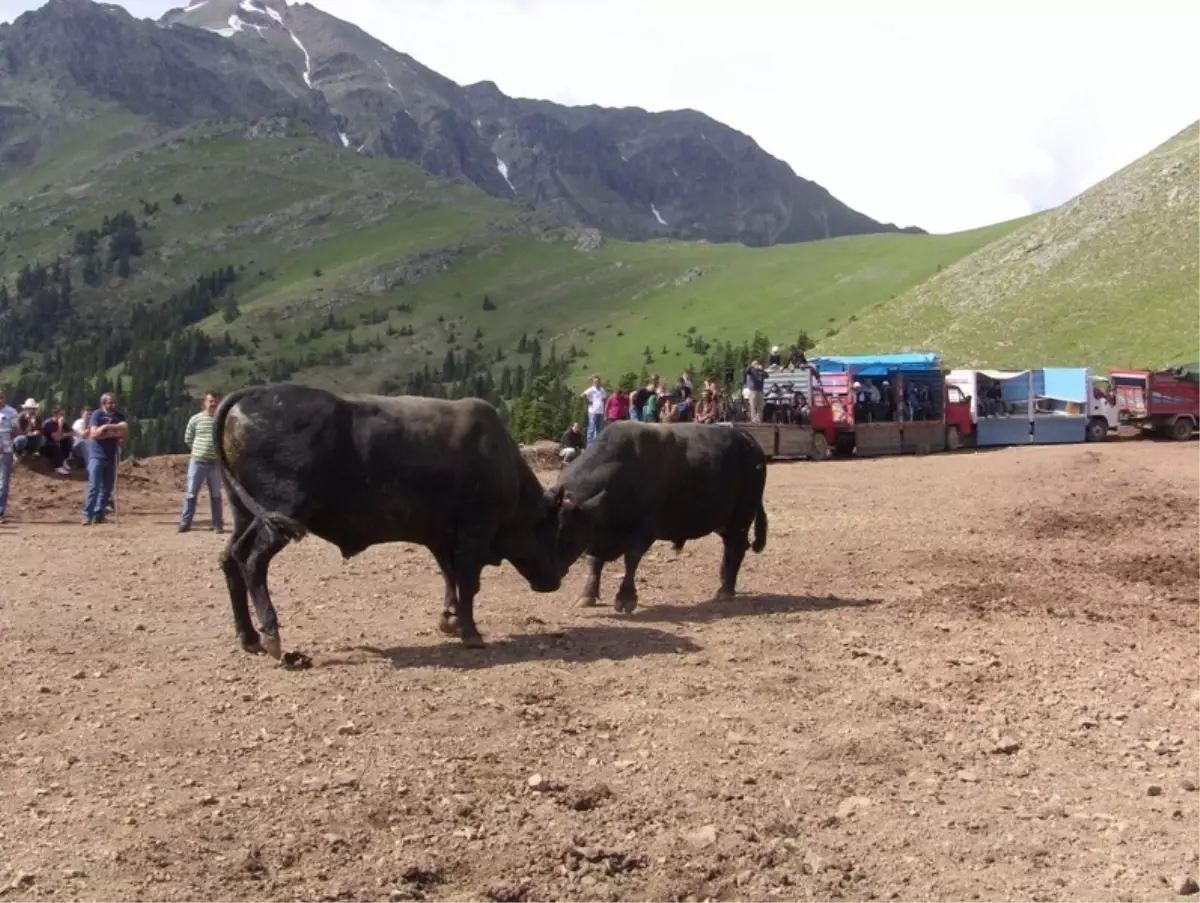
x=94 y=441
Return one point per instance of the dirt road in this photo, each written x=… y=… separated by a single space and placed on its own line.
x=955 y=677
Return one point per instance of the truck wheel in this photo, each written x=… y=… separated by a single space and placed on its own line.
x=1181 y=430
x=953 y=439
x=1097 y=429
x=820 y=447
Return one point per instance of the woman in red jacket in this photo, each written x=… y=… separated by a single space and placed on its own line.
x=617 y=407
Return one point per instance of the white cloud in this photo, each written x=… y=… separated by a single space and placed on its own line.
x=934 y=112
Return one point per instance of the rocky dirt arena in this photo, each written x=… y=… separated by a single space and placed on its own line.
x=969 y=676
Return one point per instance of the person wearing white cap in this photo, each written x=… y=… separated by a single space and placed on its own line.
x=30 y=436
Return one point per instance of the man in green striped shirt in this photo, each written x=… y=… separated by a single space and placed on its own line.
x=202 y=468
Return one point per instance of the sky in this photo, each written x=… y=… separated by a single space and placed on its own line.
x=942 y=114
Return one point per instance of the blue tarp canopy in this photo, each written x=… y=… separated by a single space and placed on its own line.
x=878 y=364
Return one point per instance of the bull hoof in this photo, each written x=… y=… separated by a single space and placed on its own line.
x=448 y=624
x=724 y=595
x=586 y=601
x=473 y=641
x=273 y=646
x=251 y=644
x=625 y=603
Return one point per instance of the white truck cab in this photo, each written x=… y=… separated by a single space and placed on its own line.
x=1103 y=414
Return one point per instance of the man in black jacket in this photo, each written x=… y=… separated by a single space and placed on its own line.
x=571 y=443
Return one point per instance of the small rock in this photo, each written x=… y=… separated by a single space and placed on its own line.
x=968 y=777
x=42 y=688
x=702 y=837
x=1088 y=723
x=1006 y=746
x=208 y=800
x=537 y=782
x=1188 y=785
x=23 y=880
x=79 y=675
x=1186 y=885
x=349 y=729
x=1154 y=790
x=852 y=804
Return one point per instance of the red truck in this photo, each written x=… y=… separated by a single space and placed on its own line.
x=1159 y=401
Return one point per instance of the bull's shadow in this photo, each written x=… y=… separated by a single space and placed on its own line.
x=579 y=644
x=741 y=606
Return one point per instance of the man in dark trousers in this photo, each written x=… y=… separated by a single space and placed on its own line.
x=108 y=431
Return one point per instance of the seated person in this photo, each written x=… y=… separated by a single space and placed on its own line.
x=58 y=441
x=28 y=438
x=706 y=407
x=571 y=443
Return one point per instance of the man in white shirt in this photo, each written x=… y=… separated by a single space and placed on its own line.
x=9 y=419
x=596 y=399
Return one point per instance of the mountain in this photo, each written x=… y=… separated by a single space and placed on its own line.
x=1108 y=279
x=634 y=175
x=229 y=253
x=180 y=211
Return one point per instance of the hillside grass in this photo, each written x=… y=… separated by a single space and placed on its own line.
x=1109 y=279
x=314 y=229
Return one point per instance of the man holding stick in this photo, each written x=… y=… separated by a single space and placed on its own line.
x=108 y=432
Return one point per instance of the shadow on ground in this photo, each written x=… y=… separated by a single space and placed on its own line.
x=741 y=606
x=579 y=644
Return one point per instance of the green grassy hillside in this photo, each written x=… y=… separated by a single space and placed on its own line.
x=1108 y=279
x=354 y=271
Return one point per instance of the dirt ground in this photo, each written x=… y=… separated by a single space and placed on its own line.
x=969 y=676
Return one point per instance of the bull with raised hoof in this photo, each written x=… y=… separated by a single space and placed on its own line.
x=642 y=482
x=359 y=470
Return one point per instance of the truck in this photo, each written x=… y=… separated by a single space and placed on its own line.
x=1049 y=405
x=1164 y=401
x=784 y=435
x=890 y=426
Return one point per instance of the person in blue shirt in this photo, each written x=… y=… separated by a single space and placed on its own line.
x=108 y=431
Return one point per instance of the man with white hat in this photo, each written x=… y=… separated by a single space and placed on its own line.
x=29 y=428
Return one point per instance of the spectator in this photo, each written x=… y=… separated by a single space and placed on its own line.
x=754 y=379
x=650 y=408
x=596 y=398
x=79 y=432
x=706 y=407
x=202 y=466
x=57 y=442
x=571 y=443
x=9 y=425
x=637 y=402
x=773 y=359
x=617 y=406
x=108 y=430
x=29 y=438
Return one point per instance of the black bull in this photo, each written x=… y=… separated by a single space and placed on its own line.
x=362 y=470
x=642 y=482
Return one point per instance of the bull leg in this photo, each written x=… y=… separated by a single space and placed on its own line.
x=448 y=621
x=264 y=545
x=591 y=590
x=736 y=543
x=470 y=554
x=627 y=598
x=235 y=581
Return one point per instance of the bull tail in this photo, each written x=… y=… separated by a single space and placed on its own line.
x=760 y=529
x=273 y=522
